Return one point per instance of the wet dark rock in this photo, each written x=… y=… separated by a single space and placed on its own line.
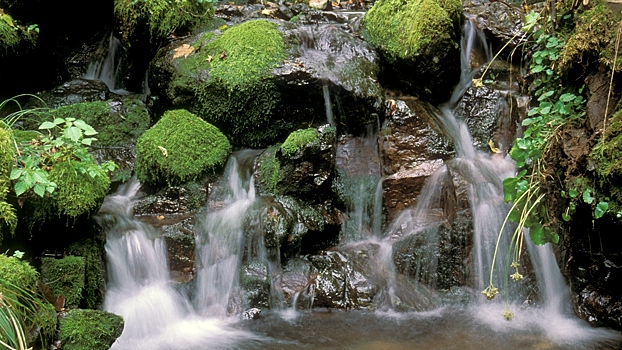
x=251 y=314
x=172 y=204
x=308 y=171
x=501 y=22
x=76 y=91
x=180 y=241
x=402 y=189
x=325 y=54
x=490 y=115
x=437 y=255
x=255 y=284
x=357 y=156
x=339 y=284
x=297 y=283
x=411 y=137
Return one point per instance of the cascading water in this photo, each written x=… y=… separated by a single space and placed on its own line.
x=157 y=315
x=106 y=67
x=220 y=245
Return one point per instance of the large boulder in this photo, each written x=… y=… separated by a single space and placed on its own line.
x=259 y=80
x=419 y=43
x=89 y=329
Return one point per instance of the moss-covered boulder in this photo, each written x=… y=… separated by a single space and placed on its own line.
x=90 y=329
x=301 y=165
x=180 y=147
x=419 y=43
x=65 y=277
x=257 y=81
x=18 y=273
x=92 y=251
x=161 y=17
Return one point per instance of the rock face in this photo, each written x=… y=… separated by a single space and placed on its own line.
x=297 y=71
x=418 y=41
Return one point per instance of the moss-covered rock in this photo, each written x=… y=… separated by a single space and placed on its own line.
x=161 y=17
x=297 y=140
x=418 y=40
x=258 y=81
x=8 y=36
x=592 y=39
x=65 y=277
x=78 y=193
x=90 y=330
x=180 y=147
x=95 y=271
x=18 y=273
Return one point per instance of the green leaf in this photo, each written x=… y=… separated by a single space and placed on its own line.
x=39 y=190
x=87 y=141
x=601 y=209
x=573 y=193
x=566 y=217
x=88 y=130
x=47 y=125
x=20 y=188
x=59 y=121
x=567 y=97
x=587 y=196
x=536 y=234
x=509 y=188
x=16 y=173
x=73 y=133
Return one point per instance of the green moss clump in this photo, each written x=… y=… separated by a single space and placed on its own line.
x=94 y=265
x=231 y=78
x=405 y=29
x=90 y=330
x=609 y=163
x=8 y=218
x=64 y=277
x=9 y=37
x=298 y=139
x=161 y=17
x=18 y=273
x=593 y=36
x=180 y=147
x=78 y=193
x=269 y=167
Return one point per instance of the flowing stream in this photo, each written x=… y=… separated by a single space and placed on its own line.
x=162 y=315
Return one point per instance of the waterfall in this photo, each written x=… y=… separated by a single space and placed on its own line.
x=327 y=104
x=106 y=67
x=220 y=245
x=157 y=314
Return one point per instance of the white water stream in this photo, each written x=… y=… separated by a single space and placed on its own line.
x=158 y=315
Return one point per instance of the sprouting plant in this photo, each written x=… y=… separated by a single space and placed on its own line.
x=66 y=140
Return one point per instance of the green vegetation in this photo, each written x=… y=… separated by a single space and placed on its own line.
x=269 y=167
x=58 y=168
x=94 y=266
x=8 y=218
x=297 y=139
x=404 y=29
x=180 y=147
x=161 y=17
x=12 y=33
x=230 y=76
x=21 y=311
x=89 y=329
x=117 y=122
x=64 y=277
